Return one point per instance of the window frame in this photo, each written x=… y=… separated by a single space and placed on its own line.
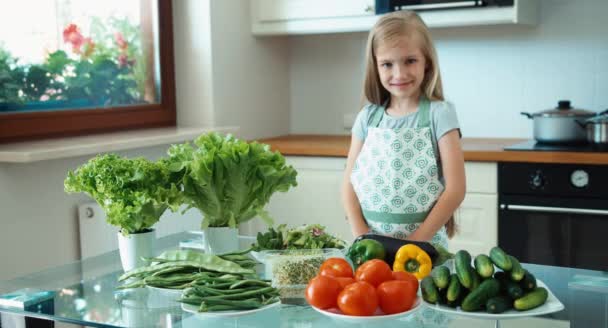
x=74 y=122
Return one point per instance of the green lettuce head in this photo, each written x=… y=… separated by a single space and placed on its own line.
x=230 y=180
x=134 y=193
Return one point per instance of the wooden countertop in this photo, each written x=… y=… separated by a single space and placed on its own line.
x=475 y=150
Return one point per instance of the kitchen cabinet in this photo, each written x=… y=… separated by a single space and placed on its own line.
x=316 y=198
x=477 y=216
x=293 y=17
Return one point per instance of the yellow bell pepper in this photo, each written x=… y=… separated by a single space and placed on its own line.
x=413 y=259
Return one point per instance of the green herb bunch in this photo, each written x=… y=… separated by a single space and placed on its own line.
x=134 y=193
x=229 y=180
x=312 y=236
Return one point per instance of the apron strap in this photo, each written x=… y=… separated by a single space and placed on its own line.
x=376 y=116
x=424 y=112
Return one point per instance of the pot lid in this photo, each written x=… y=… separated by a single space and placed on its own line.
x=601 y=117
x=564 y=109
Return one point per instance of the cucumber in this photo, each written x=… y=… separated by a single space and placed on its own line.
x=509 y=287
x=430 y=293
x=462 y=263
x=528 y=282
x=455 y=289
x=535 y=298
x=484 y=266
x=478 y=297
x=441 y=276
x=500 y=258
x=476 y=279
x=517 y=271
x=499 y=304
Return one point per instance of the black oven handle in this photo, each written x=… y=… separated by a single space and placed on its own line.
x=566 y=210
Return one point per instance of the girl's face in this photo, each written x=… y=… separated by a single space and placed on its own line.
x=401 y=67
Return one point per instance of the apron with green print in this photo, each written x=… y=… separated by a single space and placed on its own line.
x=396 y=178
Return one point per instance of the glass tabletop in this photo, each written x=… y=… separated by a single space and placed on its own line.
x=85 y=293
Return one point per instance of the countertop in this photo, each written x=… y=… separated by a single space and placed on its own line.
x=475 y=150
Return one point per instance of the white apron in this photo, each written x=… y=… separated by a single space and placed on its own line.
x=396 y=178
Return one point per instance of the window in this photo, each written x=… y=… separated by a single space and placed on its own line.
x=74 y=67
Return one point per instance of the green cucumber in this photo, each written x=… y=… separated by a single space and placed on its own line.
x=430 y=293
x=528 y=282
x=484 y=266
x=441 y=276
x=499 y=304
x=462 y=262
x=510 y=287
x=517 y=271
x=455 y=289
x=500 y=258
x=478 y=297
x=476 y=279
x=535 y=298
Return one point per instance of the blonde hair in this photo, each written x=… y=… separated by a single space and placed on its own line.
x=390 y=28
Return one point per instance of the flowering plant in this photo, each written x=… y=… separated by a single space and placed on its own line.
x=105 y=68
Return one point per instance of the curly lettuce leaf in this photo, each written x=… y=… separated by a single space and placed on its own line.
x=134 y=193
x=230 y=180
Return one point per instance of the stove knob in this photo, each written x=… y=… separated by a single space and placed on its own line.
x=537 y=180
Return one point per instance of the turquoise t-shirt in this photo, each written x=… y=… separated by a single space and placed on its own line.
x=442 y=116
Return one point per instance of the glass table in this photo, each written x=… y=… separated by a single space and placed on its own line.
x=86 y=295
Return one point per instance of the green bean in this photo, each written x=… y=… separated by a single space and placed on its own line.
x=250 y=282
x=213 y=264
x=245 y=251
x=223 y=291
x=234 y=304
x=257 y=291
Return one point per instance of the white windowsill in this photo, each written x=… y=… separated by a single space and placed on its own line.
x=32 y=151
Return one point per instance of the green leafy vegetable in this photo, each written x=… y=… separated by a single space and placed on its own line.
x=134 y=193
x=229 y=180
x=311 y=236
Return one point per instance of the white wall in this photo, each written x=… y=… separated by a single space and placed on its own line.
x=227 y=77
x=490 y=73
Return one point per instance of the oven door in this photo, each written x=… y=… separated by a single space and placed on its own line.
x=553 y=231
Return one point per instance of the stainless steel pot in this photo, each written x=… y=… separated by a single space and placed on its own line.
x=596 y=128
x=559 y=125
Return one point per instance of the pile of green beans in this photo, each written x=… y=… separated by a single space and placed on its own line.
x=181 y=269
x=229 y=293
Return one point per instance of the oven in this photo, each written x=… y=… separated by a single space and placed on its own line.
x=554 y=214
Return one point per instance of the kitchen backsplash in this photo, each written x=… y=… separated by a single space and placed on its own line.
x=490 y=73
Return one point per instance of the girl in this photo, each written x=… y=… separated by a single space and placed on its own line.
x=405 y=169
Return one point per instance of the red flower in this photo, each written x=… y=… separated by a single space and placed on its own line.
x=71 y=34
x=120 y=41
x=122 y=60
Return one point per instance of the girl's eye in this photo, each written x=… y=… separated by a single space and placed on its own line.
x=387 y=65
x=411 y=61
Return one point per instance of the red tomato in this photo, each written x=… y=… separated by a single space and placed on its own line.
x=374 y=272
x=396 y=296
x=322 y=292
x=336 y=267
x=402 y=275
x=344 y=281
x=358 y=298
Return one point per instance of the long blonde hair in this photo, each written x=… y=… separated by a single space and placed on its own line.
x=390 y=28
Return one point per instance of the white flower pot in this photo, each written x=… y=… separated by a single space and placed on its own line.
x=133 y=247
x=220 y=240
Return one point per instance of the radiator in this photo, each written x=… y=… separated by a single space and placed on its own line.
x=97 y=236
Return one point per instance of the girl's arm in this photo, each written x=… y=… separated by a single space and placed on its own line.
x=452 y=161
x=351 y=204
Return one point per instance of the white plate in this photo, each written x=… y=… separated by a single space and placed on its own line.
x=376 y=318
x=551 y=305
x=218 y=314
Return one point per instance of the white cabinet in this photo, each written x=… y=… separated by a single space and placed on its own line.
x=275 y=17
x=292 y=17
x=477 y=217
x=316 y=198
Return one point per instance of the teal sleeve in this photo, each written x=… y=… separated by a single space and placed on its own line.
x=445 y=119
x=359 y=129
